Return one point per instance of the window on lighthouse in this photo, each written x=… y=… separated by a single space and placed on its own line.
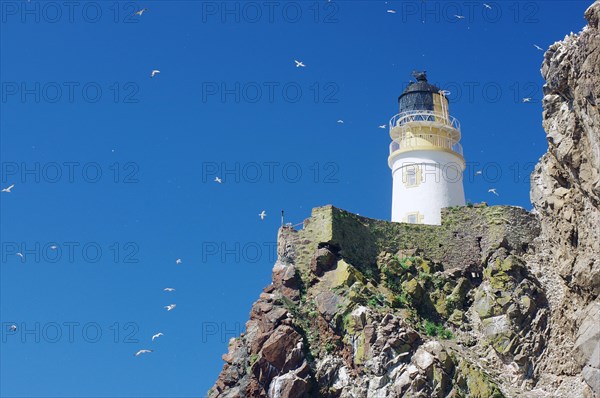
x=411 y=218
x=411 y=177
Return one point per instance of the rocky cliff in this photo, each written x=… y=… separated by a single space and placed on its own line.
x=566 y=193
x=495 y=302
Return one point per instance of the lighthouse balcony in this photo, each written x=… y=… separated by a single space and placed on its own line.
x=421 y=120
x=426 y=142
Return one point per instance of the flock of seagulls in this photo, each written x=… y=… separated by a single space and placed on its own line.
x=491 y=190
x=169 y=307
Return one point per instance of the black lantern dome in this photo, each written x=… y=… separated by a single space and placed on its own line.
x=419 y=95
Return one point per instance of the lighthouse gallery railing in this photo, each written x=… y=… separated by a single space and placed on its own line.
x=424 y=116
x=423 y=142
x=415 y=141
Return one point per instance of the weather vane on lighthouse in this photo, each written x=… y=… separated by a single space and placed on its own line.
x=426 y=157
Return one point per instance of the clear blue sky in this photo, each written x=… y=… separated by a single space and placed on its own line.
x=104 y=158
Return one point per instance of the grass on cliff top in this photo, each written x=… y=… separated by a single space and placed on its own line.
x=436 y=330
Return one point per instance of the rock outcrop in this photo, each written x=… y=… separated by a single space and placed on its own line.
x=566 y=194
x=495 y=302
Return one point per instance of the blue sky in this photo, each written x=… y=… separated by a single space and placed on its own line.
x=116 y=169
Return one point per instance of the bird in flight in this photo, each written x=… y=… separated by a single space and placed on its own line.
x=140 y=12
x=459 y=16
x=391 y=11
x=218 y=180
x=53 y=247
x=20 y=255
x=538 y=47
x=7 y=190
x=13 y=328
x=157 y=335
x=478 y=172
x=382 y=126
x=178 y=261
x=493 y=190
x=170 y=306
x=169 y=289
x=528 y=99
x=140 y=352
x=154 y=73
x=489 y=7
x=445 y=92
x=262 y=215
x=299 y=64
x=340 y=121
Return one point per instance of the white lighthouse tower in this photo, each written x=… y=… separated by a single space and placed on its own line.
x=426 y=157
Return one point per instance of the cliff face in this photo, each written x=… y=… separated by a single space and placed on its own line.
x=361 y=307
x=566 y=193
x=494 y=302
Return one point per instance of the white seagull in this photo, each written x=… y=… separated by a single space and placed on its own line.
x=538 y=47
x=493 y=190
x=528 y=99
x=140 y=352
x=489 y=7
x=154 y=73
x=459 y=16
x=262 y=215
x=478 y=172
x=445 y=93
x=391 y=11
x=299 y=64
x=13 y=328
x=178 y=261
x=140 y=12
x=7 y=190
x=340 y=121
x=20 y=255
x=383 y=126
x=170 y=306
x=157 y=335
x=218 y=180
x=169 y=289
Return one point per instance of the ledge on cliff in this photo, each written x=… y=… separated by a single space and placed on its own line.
x=466 y=237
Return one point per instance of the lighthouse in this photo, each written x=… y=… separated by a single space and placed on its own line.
x=426 y=157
